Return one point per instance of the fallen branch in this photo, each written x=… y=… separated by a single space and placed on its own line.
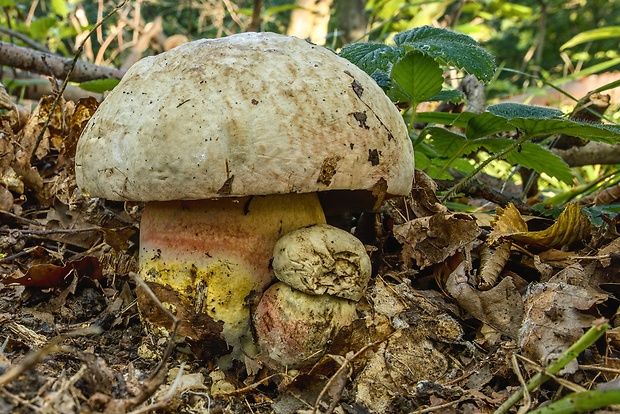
x=41 y=63
x=590 y=154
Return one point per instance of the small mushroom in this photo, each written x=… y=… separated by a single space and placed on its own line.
x=294 y=328
x=323 y=259
x=230 y=141
x=322 y=270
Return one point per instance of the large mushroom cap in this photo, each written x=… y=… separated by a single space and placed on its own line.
x=249 y=114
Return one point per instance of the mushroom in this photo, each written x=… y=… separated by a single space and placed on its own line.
x=294 y=328
x=323 y=259
x=229 y=141
x=323 y=271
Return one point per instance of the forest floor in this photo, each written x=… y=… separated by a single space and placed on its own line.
x=462 y=308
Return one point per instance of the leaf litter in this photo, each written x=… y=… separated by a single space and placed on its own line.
x=454 y=298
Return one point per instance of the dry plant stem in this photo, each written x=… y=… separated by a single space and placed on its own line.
x=570 y=354
x=255 y=23
x=526 y=395
x=51 y=231
x=253 y=386
x=34 y=358
x=158 y=376
x=69 y=77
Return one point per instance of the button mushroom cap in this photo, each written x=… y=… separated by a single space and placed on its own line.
x=294 y=328
x=323 y=259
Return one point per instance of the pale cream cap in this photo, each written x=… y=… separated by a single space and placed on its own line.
x=249 y=114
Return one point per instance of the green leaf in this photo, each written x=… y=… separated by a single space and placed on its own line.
x=512 y=110
x=531 y=156
x=486 y=124
x=609 y=32
x=418 y=77
x=581 y=402
x=445 y=142
x=593 y=132
x=99 y=85
x=60 y=8
x=450 y=48
x=448 y=95
x=39 y=28
x=372 y=57
x=535 y=121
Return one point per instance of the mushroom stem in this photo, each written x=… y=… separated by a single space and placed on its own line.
x=213 y=254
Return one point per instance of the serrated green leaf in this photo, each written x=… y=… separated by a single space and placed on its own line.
x=99 y=85
x=417 y=76
x=486 y=124
x=450 y=48
x=531 y=156
x=371 y=57
x=593 y=132
x=382 y=78
x=510 y=110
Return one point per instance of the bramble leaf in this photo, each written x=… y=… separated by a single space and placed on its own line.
x=418 y=77
x=531 y=156
x=450 y=48
x=372 y=57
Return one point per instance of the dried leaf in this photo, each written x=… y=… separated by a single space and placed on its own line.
x=48 y=276
x=553 y=320
x=431 y=240
x=492 y=262
x=500 y=307
x=571 y=225
x=118 y=239
x=508 y=222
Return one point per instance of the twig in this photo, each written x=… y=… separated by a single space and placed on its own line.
x=51 y=231
x=166 y=398
x=256 y=20
x=252 y=386
x=31 y=43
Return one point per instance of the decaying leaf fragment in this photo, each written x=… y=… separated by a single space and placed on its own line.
x=430 y=240
x=492 y=262
x=554 y=320
x=500 y=307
